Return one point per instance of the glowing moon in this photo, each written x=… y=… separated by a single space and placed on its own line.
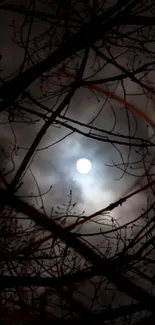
x=83 y=166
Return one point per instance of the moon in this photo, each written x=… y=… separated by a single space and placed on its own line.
x=83 y=165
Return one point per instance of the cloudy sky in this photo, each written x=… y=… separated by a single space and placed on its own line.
x=54 y=164
x=121 y=109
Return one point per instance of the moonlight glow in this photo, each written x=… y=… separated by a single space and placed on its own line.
x=83 y=166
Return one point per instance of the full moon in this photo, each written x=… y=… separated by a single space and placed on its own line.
x=83 y=166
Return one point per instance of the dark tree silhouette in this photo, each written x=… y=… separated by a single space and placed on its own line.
x=59 y=265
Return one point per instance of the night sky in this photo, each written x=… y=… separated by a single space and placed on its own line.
x=117 y=168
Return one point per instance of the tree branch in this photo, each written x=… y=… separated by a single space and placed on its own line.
x=90 y=33
x=113 y=275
